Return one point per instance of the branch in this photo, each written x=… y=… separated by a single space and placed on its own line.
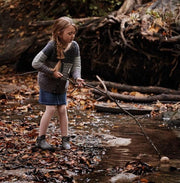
x=142 y=89
x=126 y=8
x=50 y=22
x=148 y=99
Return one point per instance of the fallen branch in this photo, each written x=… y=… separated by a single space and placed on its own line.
x=107 y=93
x=142 y=89
x=50 y=22
x=148 y=99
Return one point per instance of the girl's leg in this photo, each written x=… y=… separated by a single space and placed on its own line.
x=41 y=140
x=44 y=123
x=63 y=118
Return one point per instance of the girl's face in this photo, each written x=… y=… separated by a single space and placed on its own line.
x=68 y=34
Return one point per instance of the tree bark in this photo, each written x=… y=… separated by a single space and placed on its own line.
x=50 y=22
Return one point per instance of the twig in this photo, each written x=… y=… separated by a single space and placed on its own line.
x=30 y=72
x=137 y=122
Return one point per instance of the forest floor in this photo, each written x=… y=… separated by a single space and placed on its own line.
x=19 y=123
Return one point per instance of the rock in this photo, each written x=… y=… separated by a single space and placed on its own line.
x=124 y=177
x=164 y=160
x=171 y=115
x=119 y=142
x=116 y=141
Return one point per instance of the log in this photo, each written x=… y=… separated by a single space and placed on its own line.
x=142 y=89
x=14 y=48
x=142 y=99
x=104 y=107
x=50 y=22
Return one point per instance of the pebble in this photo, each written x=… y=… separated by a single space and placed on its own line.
x=164 y=160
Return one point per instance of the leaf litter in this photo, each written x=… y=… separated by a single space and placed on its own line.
x=19 y=122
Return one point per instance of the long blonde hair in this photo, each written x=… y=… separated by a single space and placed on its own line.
x=58 y=28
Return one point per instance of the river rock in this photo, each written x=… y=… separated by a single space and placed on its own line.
x=111 y=140
x=171 y=115
x=124 y=177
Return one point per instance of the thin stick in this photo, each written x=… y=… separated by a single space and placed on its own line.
x=127 y=112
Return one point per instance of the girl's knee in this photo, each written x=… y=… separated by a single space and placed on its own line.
x=62 y=109
x=51 y=109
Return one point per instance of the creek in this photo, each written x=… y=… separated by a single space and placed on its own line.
x=122 y=126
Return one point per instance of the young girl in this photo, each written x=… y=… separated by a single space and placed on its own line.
x=55 y=62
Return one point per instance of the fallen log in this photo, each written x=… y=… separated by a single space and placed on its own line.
x=14 y=48
x=135 y=110
x=141 y=99
x=50 y=22
x=142 y=89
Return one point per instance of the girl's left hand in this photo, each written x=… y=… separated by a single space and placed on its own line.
x=80 y=82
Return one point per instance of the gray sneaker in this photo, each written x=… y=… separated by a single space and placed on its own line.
x=41 y=143
x=65 y=142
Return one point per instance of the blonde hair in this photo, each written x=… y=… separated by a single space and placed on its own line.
x=58 y=28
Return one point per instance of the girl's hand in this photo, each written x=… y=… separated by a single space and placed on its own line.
x=80 y=82
x=57 y=74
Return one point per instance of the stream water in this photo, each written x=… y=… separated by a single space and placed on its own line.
x=91 y=129
x=125 y=127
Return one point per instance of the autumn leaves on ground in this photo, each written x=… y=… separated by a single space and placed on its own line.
x=20 y=114
x=19 y=121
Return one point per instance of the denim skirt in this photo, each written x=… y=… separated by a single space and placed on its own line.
x=47 y=98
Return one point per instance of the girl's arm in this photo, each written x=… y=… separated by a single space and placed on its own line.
x=38 y=63
x=39 y=60
x=76 y=70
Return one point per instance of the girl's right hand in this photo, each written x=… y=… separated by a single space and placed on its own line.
x=57 y=74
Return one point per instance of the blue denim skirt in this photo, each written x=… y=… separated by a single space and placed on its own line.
x=47 y=98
